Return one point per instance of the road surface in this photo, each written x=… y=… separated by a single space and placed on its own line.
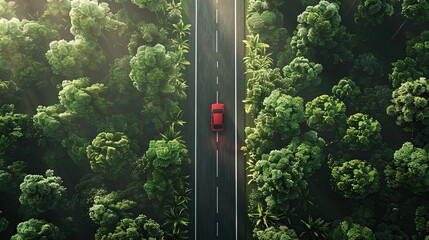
x=216 y=75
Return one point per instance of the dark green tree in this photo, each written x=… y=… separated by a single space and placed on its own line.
x=110 y=154
x=355 y=179
x=367 y=70
x=416 y=10
x=372 y=12
x=362 y=133
x=346 y=90
x=351 y=231
x=390 y=232
x=422 y=220
x=409 y=169
x=16 y=131
x=33 y=229
x=42 y=193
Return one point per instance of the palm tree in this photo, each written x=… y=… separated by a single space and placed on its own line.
x=264 y=218
x=250 y=169
x=256 y=55
x=315 y=229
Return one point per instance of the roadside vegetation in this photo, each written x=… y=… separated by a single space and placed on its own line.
x=90 y=120
x=337 y=93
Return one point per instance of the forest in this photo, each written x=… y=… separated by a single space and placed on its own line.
x=337 y=140
x=91 y=142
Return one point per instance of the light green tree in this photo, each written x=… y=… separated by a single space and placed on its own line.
x=325 y=113
x=302 y=74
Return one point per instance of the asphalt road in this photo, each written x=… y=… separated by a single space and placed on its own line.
x=216 y=75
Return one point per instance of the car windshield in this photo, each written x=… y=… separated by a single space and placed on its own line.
x=217 y=111
x=217 y=126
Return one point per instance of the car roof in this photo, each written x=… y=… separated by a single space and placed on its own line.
x=217 y=118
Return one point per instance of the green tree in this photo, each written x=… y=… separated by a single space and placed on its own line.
x=108 y=210
x=151 y=5
x=56 y=14
x=153 y=73
x=281 y=116
x=22 y=44
x=83 y=99
x=110 y=154
x=89 y=18
x=281 y=175
x=33 y=229
x=362 y=133
x=410 y=102
x=346 y=90
x=319 y=29
x=147 y=34
x=415 y=10
x=71 y=59
x=409 y=169
x=257 y=143
x=8 y=92
x=275 y=233
x=302 y=74
x=368 y=70
x=260 y=86
x=422 y=220
x=42 y=193
x=48 y=119
x=141 y=228
x=372 y=12
x=374 y=99
x=390 y=232
x=347 y=230
x=166 y=160
x=404 y=70
x=7 y=9
x=325 y=113
x=15 y=132
x=418 y=49
x=355 y=179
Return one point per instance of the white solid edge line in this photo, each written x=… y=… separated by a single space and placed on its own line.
x=235 y=114
x=195 y=118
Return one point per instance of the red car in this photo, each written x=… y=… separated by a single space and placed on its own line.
x=216 y=117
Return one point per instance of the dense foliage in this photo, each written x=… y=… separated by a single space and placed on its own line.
x=370 y=99
x=91 y=98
